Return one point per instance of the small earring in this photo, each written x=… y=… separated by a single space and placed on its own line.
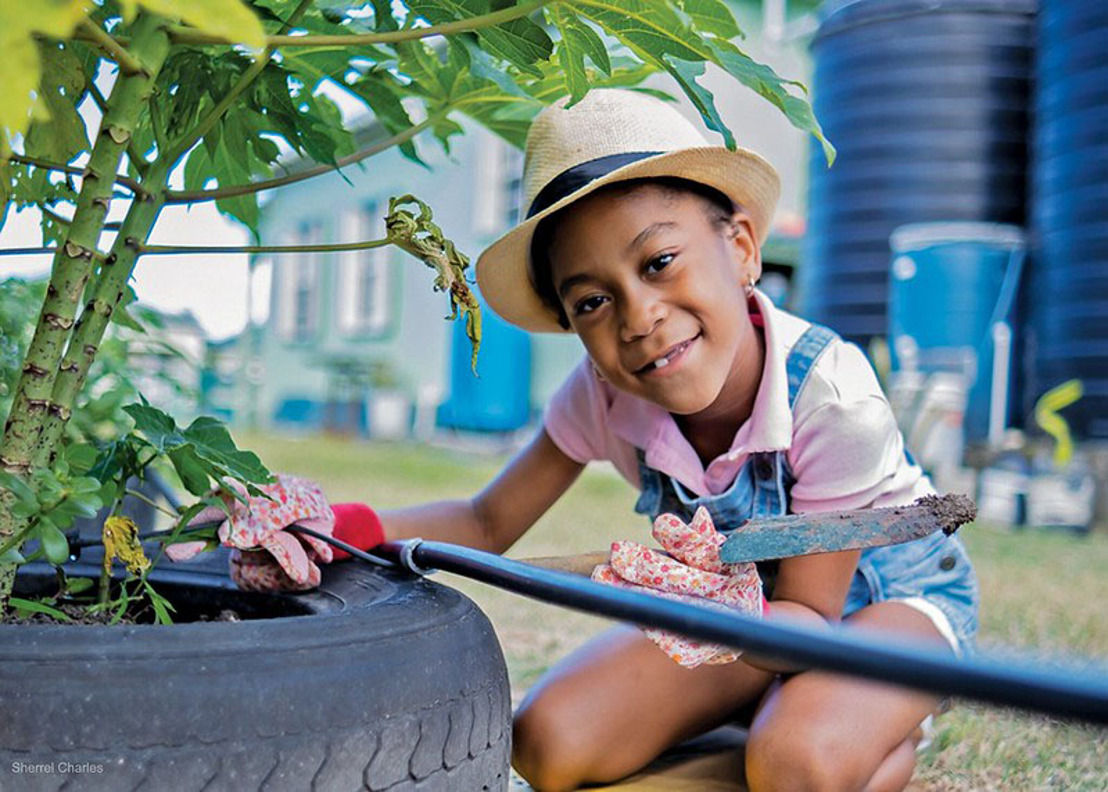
x=748 y=288
x=596 y=370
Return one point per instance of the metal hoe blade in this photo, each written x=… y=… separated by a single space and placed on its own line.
x=829 y=532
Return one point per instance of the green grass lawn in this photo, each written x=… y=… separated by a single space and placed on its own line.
x=1043 y=595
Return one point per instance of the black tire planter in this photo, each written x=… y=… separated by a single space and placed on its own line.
x=384 y=682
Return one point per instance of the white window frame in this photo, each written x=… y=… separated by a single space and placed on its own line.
x=488 y=184
x=364 y=278
x=298 y=308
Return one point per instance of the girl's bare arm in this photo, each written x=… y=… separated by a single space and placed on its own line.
x=497 y=516
x=809 y=591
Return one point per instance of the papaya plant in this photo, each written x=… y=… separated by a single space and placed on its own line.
x=211 y=95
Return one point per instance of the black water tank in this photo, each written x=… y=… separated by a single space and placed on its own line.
x=927 y=102
x=1068 y=294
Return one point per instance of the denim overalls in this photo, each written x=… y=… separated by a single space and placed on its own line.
x=935 y=568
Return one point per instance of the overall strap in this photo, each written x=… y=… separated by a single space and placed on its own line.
x=803 y=356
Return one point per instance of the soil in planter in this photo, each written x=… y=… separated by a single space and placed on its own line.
x=191 y=603
x=79 y=613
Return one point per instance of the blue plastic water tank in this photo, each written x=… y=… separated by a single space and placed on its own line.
x=927 y=102
x=498 y=398
x=949 y=283
x=1068 y=294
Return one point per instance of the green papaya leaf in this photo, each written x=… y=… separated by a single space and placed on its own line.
x=686 y=73
x=571 y=54
x=431 y=77
x=192 y=472
x=651 y=29
x=381 y=92
x=578 y=42
x=520 y=41
x=205 y=449
x=243 y=208
x=33 y=606
x=765 y=82
x=383 y=19
x=711 y=16
x=60 y=135
x=213 y=443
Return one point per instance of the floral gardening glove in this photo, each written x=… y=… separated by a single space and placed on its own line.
x=354 y=523
x=264 y=556
x=691 y=572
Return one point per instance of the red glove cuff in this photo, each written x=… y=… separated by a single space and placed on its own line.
x=358 y=525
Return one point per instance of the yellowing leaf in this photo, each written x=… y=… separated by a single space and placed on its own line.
x=19 y=22
x=420 y=237
x=121 y=541
x=231 y=20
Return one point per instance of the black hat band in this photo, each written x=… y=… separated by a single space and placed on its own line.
x=573 y=179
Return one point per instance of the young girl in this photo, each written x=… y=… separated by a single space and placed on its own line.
x=644 y=241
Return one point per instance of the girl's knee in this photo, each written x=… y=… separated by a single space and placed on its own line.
x=809 y=759
x=546 y=746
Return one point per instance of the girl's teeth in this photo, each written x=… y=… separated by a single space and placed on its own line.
x=661 y=363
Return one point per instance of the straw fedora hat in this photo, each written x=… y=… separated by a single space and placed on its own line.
x=609 y=136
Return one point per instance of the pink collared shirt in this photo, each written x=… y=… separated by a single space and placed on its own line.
x=841 y=439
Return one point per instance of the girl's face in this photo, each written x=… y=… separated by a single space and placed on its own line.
x=654 y=288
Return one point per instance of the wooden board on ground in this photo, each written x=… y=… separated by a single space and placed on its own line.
x=709 y=763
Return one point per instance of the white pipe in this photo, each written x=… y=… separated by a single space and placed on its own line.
x=774 y=14
x=998 y=388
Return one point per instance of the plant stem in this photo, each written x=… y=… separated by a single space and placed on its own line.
x=105 y=587
x=137 y=160
x=334 y=247
x=196 y=196
x=89 y=330
x=34 y=251
x=140 y=496
x=72 y=170
x=128 y=64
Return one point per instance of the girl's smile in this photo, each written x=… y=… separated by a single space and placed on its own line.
x=668 y=363
x=652 y=283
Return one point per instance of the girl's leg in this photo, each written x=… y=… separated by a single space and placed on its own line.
x=821 y=731
x=612 y=706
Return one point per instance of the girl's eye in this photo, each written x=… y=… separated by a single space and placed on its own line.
x=588 y=304
x=659 y=263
